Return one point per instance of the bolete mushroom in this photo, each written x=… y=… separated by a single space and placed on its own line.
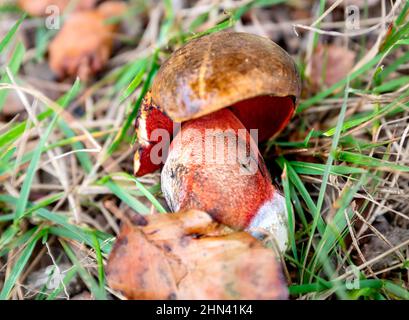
x=225 y=82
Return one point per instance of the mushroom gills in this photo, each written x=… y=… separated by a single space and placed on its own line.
x=150 y=119
x=236 y=191
x=268 y=114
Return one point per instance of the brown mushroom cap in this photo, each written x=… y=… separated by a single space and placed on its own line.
x=223 y=69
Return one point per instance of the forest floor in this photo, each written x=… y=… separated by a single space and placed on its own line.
x=66 y=145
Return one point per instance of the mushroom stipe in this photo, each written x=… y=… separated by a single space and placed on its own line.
x=214 y=168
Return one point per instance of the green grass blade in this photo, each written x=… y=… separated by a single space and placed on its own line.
x=64 y=226
x=32 y=168
x=17 y=242
x=367 y=161
x=132 y=202
x=290 y=212
x=10 y=34
x=14 y=66
x=131 y=117
x=97 y=292
x=100 y=262
x=311 y=169
x=296 y=181
x=16 y=131
x=134 y=83
x=325 y=178
x=19 y=267
x=145 y=192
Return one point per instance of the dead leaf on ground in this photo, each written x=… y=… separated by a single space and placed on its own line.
x=189 y=256
x=84 y=44
x=38 y=8
x=330 y=64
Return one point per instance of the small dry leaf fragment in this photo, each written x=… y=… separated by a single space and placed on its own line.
x=38 y=8
x=84 y=44
x=330 y=64
x=189 y=256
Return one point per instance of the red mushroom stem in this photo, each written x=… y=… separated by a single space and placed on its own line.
x=214 y=165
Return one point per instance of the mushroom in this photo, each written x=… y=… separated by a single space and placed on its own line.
x=229 y=82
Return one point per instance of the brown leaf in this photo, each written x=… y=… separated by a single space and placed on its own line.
x=330 y=64
x=189 y=256
x=38 y=8
x=84 y=44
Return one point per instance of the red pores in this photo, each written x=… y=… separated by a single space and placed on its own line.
x=149 y=121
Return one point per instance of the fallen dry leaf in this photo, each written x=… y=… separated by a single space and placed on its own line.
x=189 y=256
x=84 y=44
x=330 y=64
x=38 y=8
